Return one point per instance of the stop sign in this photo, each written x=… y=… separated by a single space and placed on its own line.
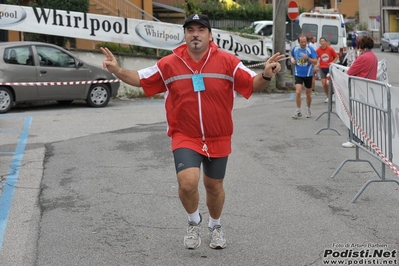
x=293 y=10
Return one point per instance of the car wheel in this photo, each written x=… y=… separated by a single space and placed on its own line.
x=98 y=95
x=6 y=100
x=391 y=49
x=382 y=49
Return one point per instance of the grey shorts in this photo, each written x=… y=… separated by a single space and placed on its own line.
x=213 y=167
x=323 y=72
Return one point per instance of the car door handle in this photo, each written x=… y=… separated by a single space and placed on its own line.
x=43 y=71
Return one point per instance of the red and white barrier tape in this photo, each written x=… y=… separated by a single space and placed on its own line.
x=58 y=83
x=262 y=64
x=78 y=82
x=26 y=84
x=367 y=138
x=255 y=65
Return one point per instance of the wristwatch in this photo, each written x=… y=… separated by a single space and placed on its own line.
x=266 y=78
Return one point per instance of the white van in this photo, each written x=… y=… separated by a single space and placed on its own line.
x=327 y=23
x=265 y=28
x=262 y=27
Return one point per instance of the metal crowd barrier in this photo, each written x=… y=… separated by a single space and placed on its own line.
x=370 y=123
x=329 y=109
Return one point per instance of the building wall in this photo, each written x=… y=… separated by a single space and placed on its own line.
x=145 y=5
x=370 y=9
x=308 y=5
x=389 y=13
x=347 y=7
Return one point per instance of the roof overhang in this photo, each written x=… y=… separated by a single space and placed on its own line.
x=168 y=13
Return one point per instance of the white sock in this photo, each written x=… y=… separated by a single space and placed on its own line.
x=194 y=217
x=298 y=110
x=213 y=222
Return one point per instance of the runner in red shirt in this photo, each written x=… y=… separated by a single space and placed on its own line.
x=326 y=55
x=199 y=82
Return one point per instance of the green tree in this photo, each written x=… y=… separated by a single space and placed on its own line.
x=215 y=9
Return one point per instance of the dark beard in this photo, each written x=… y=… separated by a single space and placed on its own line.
x=195 y=44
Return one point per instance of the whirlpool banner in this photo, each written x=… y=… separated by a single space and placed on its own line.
x=145 y=33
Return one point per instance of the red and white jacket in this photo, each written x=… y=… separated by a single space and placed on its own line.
x=201 y=121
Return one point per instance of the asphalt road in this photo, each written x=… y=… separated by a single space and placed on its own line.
x=98 y=187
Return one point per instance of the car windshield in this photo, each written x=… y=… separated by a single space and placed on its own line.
x=330 y=32
x=49 y=56
x=394 y=35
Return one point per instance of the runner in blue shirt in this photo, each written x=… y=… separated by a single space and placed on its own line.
x=303 y=57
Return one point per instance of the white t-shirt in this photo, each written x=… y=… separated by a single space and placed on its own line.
x=313 y=44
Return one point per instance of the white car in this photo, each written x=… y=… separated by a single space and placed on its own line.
x=389 y=41
x=263 y=27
